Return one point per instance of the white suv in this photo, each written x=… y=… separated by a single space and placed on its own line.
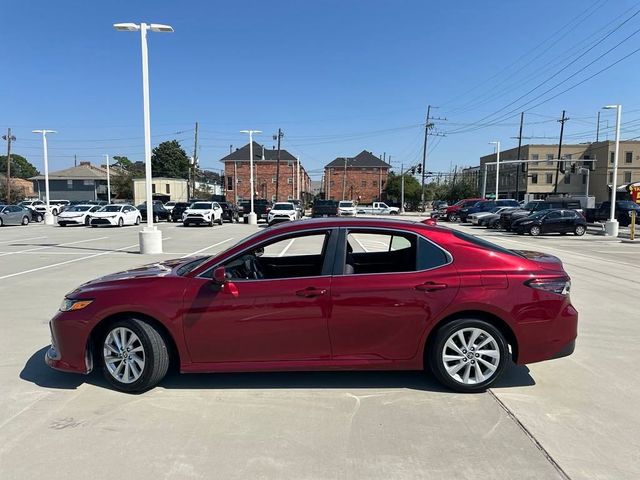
x=199 y=213
x=347 y=208
x=282 y=212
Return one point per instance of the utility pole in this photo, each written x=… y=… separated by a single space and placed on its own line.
x=518 y=157
x=278 y=137
x=558 y=169
x=424 y=156
x=344 y=180
x=402 y=188
x=598 y=128
x=9 y=138
x=195 y=160
x=75 y=160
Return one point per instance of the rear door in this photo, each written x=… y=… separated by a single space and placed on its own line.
x=388 y=286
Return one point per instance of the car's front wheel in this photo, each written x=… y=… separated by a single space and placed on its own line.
x=468 y=355
x=25 y=220
x=120 y=222
x=579 y=230
x=134 y=355
x=534 y=230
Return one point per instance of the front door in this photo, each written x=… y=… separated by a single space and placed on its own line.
x=274 y=306
x=393 y=286
x=553 y=222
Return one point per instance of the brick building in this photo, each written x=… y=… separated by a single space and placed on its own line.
x=361 y=178
x=294 y=183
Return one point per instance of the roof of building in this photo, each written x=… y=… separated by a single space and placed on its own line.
x=84 y=171
x=259 y=154
x=15 y=181
x=363 y=159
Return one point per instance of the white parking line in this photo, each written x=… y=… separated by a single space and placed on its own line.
x=52 y=246
x=66 y=262
x=284 y=250
x=207 y=248
x=21 y=239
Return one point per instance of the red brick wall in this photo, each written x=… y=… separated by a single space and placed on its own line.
x=265 y=187
x=362 y=185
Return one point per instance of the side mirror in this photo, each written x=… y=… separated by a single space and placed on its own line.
x=219 y=275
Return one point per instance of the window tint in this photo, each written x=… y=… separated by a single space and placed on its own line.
x=569 y=214
x=307 y=245
x=553 y=215
x=370 y=252
x=430 y=255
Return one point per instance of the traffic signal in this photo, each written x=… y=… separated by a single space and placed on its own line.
x=413 y=170
x=419 y=169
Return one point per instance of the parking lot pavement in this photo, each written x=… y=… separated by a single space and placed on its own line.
x=572 y=417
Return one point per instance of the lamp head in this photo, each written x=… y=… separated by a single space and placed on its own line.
x=610 y=107
x=126 y=27
x=159 y=27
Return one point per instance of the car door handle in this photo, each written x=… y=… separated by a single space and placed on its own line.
x=311 y=292
x=431 y=286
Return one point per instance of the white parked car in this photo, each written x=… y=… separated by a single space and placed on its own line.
x=77 y=215
x=282 y=212
x=202 y=213
x=347 y=208
x=116 y=215
x=169 y=206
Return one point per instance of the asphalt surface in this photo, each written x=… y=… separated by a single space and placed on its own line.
x=575 y=417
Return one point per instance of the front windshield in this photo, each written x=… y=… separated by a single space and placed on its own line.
x=110 y=208
x=191 y=266
x=283 y=206
x=346 y=204
x=201 y=206
x=78 y=208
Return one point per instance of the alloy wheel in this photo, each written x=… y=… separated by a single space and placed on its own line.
x=535 y=231
x=471 y=356
x=123 y=355
x=579 y=230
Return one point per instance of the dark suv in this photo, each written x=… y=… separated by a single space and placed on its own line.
x=177 y=211
x=260 y=207
x=229 y=212
x=507 y=218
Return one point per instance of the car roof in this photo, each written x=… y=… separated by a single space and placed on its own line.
x=338 y=222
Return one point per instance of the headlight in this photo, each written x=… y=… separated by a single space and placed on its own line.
x=69 y=304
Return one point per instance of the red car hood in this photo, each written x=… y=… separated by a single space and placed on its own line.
x=152 y=270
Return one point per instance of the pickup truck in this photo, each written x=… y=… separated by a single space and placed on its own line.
x=378 y=208
x=622 y=212
x=261 y=208
x=324 y=208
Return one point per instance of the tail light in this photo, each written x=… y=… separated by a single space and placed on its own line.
x=558 y=285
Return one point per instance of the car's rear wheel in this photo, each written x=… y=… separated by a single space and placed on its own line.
x=87 y=221
x=534 y=230
x=120 y=222
x=579 y=230
x=134 y=355
x=468 y=355
x=138 y=220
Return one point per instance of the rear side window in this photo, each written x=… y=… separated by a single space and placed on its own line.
x=430 y=255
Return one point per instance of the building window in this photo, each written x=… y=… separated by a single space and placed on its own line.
x=167 y=189
x=375 y=183
x=364 y=183
x=567 y=179
x=612 y=157
x=332 y=183
x=290 y=181
x=153 y=188
x=628 y=157
x=549 y=177
x=87 y=183
x=69 y=183
x=273 y=179
x=289 y=197
x=627 y=177
x=230 y=182
x=536 y=157
x=273 y=198
x=549 y=158
x=610 y=177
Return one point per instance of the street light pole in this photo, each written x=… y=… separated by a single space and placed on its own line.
x=611 y=226
x=48 y=218
x=252 y=218
x=402 y=187
x=108 y=180
x=497 y=144
x=150 y=238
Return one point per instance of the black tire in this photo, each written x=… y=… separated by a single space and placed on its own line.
x=1 y=222
x=220 y=222
x=87 y=221
x=62 y=224
x=393 y=213
x=535 y=231
x=156 y=355
x=120 y=222
x=246 y=219
x=25 y=220
x=138 y=220
x=156 y=219
x=580 y=230
x=54 y=212
x=436 y=363
x=212 y=222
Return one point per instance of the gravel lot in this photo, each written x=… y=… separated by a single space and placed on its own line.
x=570 y=418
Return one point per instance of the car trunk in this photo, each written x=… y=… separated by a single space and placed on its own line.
x=543 y=260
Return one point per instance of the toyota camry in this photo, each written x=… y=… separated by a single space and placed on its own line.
x=324 y=294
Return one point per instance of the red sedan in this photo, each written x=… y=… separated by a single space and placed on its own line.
x=324 y=294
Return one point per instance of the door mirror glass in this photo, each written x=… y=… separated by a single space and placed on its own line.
x=219 y=275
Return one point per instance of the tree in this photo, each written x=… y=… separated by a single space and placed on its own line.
x=209 y=176
x=412 y=188
x=122 y=162
x=170 y=160
x=20 y=166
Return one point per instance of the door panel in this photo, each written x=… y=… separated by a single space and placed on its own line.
x=383 y=316
x=258 y=320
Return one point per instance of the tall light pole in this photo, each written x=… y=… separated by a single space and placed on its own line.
x=108 y=179
x=252 y=218
x=48 y=218
x=497 y=144
x=150 y=237
x=611 y=226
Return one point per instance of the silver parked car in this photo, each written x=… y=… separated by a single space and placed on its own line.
x=14 y=215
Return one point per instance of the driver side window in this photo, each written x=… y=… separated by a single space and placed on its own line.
x=290 y=257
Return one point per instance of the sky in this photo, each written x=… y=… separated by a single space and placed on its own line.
x=338 y=76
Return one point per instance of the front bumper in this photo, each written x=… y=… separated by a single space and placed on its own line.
x=68 y=351
x=104 y=221
x=196 y=220
x=71 y=221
